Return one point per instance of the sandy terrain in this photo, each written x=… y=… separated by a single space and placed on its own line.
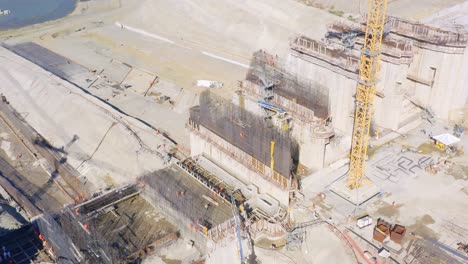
x=234 y=27
x=453 y=18
x=177 y=45
x=322 y=246
x=409 y=9
x=215 y=36
x=112 y=148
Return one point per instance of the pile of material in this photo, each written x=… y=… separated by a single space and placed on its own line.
x=462 y=247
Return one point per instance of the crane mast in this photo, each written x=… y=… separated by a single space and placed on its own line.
x=365 y=91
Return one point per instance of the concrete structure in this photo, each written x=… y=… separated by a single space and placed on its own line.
x=116 y=226
x=310 y=132
x=421 y=67
x=249 y=170
x=244 y=142
x=305 y=102
x=190 y=200
x=116 y=53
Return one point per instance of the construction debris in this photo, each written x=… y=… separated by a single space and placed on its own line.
x=462 y=247
x=210 y=84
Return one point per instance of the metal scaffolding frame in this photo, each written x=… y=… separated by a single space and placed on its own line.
x=248 y=132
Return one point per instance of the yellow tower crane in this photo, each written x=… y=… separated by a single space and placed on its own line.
x=365 y=91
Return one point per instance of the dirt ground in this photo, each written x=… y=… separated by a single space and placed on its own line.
x=32 y=179
x=409 y=9
x=429 y=205
x=181 y=42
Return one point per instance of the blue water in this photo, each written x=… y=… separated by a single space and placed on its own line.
x=29 y=12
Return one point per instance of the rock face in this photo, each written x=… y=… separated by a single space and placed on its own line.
x=111 y=147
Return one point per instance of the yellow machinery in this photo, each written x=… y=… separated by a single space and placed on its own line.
x=365 y=91
x=272 y=156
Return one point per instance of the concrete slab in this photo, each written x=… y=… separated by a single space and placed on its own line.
x=116 y=70
x=139 y=81
x=357 y=196
x=186 y=197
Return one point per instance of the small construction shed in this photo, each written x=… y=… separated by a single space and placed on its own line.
x=445 y=140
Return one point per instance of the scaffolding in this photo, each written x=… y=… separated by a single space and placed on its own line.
x=113 y=227
x=330 y=56
x=288 y=91
x=192 y=197
x=25 y=246
x=427 y=37
x=425 y=33
x=298 y=111
x=246 y=131
x=346 y=61
x=236 y=154
x=263 y=227
x=212 y=182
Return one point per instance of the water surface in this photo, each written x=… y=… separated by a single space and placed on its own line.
x=29 y=12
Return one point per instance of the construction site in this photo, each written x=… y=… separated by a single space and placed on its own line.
x=219 y=131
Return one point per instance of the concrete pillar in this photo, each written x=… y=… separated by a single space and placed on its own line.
x=318 y=155
x=313 y=141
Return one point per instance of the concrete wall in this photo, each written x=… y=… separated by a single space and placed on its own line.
x=446 y=96
x=341 y=90
x=391 y=83
x=199 y=145
x=448 y=72
x=311 y=153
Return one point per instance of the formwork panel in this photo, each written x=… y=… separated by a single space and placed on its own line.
x=264 y=71
x=246 y=131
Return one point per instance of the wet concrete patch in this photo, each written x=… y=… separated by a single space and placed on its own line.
x=420 y=227
x=387 y=210
x=459 y=172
